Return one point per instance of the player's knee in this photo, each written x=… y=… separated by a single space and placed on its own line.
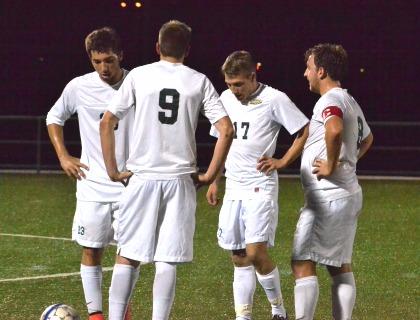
x=240 y=258
x=92 y=256
x=303 y=268
x=334 y=271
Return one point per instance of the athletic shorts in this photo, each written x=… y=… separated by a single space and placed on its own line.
x=325 y=231
x=93 y=223
x=157 y=220
x=247 y=221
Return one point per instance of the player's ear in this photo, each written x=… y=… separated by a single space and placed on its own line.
x=158 y=48
x=121 y=56
x=187 y=52
x=322 y=73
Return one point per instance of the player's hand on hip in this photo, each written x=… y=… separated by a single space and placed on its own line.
x=123 y=177
x=200 y=180
x=322 y=169
x=267 y=165
x=73 y=167
x=211 y=195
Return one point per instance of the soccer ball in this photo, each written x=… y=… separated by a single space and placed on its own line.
x=60 y=311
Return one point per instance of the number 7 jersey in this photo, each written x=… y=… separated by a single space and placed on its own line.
x=167 y=98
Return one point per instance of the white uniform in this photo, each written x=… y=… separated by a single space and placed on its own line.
x=250 y=212
x=327 y=225
x=97 y=195
x=158 y=207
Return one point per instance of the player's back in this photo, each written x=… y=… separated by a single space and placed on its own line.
x=168 y=99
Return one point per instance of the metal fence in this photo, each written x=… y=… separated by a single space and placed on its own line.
x=24 y=145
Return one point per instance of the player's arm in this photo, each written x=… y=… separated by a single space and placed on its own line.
x=71 y=165
x=365 y=145
x=225 y=128
x=267 y=165
x=333 y=140
x=106 y=130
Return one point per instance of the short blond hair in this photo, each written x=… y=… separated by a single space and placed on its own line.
x=238 y=62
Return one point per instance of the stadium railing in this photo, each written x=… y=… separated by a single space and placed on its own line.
x=25 y=146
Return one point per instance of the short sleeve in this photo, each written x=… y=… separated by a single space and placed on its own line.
x=65 y=106
x=365 y=127
x=212 y=107
x=124 y=98
x=331 y=106
x=285 y=112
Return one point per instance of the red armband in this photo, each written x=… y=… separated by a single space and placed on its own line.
x=332 y=111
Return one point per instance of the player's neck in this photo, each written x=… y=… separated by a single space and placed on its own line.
x=117 y=78
x=172 y=59
x=328 y=85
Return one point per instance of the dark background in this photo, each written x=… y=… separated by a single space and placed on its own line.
x=42 y=48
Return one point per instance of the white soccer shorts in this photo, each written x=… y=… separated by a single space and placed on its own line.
x=93 y=223
x=242 y=222
x=157 y=220
x=325 y=231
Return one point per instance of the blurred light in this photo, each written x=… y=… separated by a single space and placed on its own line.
x=362 y=70
x=259 y=66
x=123 y=4
x=137 y=4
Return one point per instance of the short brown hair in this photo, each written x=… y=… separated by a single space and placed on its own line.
x=103 y=40
x=174 y=39
x=239 y=62
x=331 y=57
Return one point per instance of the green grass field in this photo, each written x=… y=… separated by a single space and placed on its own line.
x=386 y=255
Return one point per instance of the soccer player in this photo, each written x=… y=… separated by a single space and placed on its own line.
x=249 y=214
x=157 y=218
x=97 y=196
x=338 y=137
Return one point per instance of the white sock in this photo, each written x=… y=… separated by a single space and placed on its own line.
x=243 y=291
x=271 y=285
x=343 y=294
x=122 y=284
x=134 y=277
x=92 y=287
x=306 y=297
x=163 y=290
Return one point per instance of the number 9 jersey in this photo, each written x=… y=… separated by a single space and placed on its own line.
x=167 y=98
x=343 y=182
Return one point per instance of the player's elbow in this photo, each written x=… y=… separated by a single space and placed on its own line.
x=225 y=128
x=368 y=141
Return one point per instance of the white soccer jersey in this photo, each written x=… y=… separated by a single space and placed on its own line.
x=343 y=181
x=89 y=96
x=257 y=125
x=168 y=98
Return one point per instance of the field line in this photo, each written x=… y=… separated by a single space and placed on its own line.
x=57 y=275
x=33 y=236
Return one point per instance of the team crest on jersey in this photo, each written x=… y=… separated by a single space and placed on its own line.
x=255 y=101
